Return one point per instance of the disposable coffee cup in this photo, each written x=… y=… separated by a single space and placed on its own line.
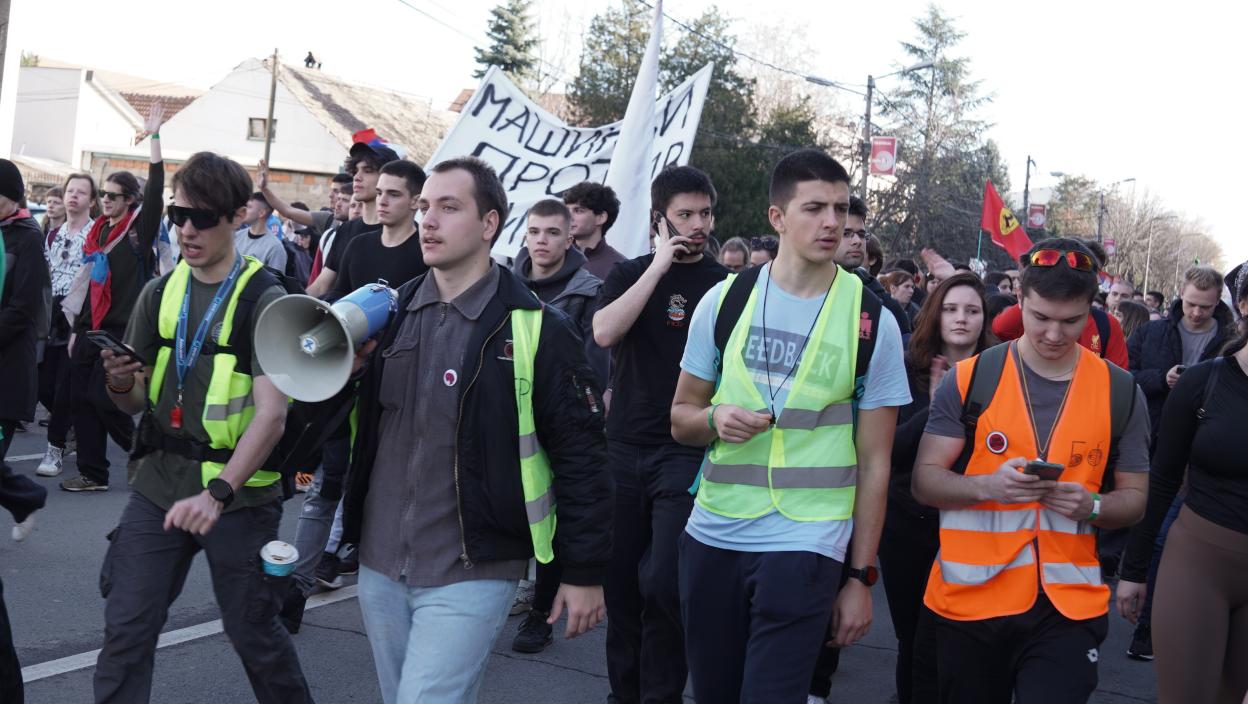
x=279 y=558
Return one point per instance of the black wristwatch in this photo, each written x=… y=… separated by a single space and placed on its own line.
x=868 y=575
x=220 y=490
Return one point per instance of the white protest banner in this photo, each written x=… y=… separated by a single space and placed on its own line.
x=539 y=156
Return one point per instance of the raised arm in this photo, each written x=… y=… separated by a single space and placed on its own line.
x=148 y=226
x=299 y=217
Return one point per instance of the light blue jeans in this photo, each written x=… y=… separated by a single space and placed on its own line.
x=431 y=644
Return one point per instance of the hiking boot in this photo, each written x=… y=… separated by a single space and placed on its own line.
x=81 y=483
x=327 y=571
x=22 y=530
x=535 y=634
x=524 y=598
x=1141 y=643
x=348 y=559
x=292 y=609
x=53 y=459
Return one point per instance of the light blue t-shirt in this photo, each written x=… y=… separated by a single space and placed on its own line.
x=789 y=320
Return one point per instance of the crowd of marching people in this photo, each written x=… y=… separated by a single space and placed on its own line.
x=718 y=449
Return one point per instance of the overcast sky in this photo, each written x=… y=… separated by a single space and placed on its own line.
x=1111 y=90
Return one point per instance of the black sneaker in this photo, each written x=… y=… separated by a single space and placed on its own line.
x=348 y=559
x=292 y=609
x=1141 y=643
x=535 y=634
x=327 y=571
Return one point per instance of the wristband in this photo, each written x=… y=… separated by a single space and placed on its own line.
x=108 y=384
x=1096 y=506
x=155 y=135
x=710 y=418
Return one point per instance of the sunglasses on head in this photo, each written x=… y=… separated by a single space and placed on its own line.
x=1078 y=261
x=200 y=218
x=109 y=195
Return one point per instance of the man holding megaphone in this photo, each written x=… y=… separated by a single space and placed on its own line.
x=480 y=424
x=211 y=419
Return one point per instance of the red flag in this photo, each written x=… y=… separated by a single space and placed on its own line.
x=1005 y=229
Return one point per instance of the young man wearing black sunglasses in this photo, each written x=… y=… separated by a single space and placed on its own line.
x=211 y=420
x=1056 y=445
x=763 y=249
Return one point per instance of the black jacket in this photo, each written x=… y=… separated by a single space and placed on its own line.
x=568 y=411
x=1158 y=346
x=25 y=305
x=874 y=286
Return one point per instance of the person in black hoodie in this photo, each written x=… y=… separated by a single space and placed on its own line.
x=438 y=409
x=555 y=271
x=1198 y=325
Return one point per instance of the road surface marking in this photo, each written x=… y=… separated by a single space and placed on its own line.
x=24 y=458
x=52 y=668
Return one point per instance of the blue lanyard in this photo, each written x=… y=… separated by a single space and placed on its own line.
x=183 y=360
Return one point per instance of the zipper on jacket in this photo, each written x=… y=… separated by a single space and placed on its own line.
x=459 y=501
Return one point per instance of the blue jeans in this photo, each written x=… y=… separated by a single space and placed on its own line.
x=431 y=644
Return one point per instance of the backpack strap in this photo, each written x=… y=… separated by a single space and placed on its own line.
x=731 y=309
x=1121 y=406
x=985 y=375
x=868 y=331
x=1211 y=383
x=1102 y=328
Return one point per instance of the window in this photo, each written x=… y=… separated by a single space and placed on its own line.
x=255 y=128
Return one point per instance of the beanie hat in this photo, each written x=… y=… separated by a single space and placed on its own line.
x=11 y=185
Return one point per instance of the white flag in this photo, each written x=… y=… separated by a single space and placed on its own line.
x=629 y=173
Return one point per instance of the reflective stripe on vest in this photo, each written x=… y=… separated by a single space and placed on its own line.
x=994 y=558
x=805 y=466
x=228 y=404
x=535 y=473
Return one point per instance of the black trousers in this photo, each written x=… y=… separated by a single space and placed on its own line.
x=54 y=393
x=19 y=494
x=908 y=545
x=754 y=621
x=143 y=573
x=11 y=691
x=1036 y=656
x=95 y=416
x=645 y=638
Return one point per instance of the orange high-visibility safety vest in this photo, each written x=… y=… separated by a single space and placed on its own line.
x=994 y=557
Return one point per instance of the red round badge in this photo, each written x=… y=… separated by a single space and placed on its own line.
x=449 y=377
x=997 y=442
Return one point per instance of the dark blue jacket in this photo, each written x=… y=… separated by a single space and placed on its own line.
x=1158 y=346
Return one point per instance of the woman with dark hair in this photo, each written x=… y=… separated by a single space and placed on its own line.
x=950 y=327
x=1200 y=611
x=1132 y=315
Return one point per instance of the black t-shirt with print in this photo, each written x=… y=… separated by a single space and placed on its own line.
x=646 y=363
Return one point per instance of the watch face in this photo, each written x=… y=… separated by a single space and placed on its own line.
x=871 y=574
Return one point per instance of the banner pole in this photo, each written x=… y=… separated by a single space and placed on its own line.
x=979 y=248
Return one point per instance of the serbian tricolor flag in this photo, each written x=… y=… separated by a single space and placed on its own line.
x=1007 y=233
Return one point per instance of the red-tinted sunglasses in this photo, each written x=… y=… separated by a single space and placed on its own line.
x=1050 y=257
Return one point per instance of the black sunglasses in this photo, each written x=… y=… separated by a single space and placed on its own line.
x=764 y=243
x=200 y=218
x=109 y=195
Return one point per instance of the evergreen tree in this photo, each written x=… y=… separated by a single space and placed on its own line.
x=512 y=42
x=614 y=46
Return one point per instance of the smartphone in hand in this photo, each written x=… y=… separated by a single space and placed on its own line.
x=105 y=340
x=1045 y=470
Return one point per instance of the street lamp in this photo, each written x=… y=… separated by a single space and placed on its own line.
x=866 y=124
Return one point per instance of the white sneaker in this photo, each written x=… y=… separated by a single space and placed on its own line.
x=52 y=461
x=23 y=529
x=812 y=699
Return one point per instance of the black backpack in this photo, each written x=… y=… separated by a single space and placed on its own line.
x=986 y=373
x=739 y=293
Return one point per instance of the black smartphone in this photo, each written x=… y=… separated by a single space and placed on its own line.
x=106 y=341
x=1180 y=369
x=1045 y=470
x=671 y=227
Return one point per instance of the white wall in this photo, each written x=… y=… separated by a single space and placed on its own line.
x=100 y=127
x=217 y=121
x=47 y=111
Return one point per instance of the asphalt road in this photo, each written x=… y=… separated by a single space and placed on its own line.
x=51 y=589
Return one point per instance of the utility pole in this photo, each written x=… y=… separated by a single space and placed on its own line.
x=866 y=138
x=1100 y=220
x=268 y=124
x=1027 y=193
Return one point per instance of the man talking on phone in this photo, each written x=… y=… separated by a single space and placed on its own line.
x=1015 y=597
x=643 y=317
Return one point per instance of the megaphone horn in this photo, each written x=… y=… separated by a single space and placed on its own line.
x=306 y=346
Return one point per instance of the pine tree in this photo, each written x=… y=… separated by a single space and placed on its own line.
x=512 y=42
x=614 y=46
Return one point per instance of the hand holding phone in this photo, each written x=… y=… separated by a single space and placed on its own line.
x=105 y=340
x=1049 y=471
